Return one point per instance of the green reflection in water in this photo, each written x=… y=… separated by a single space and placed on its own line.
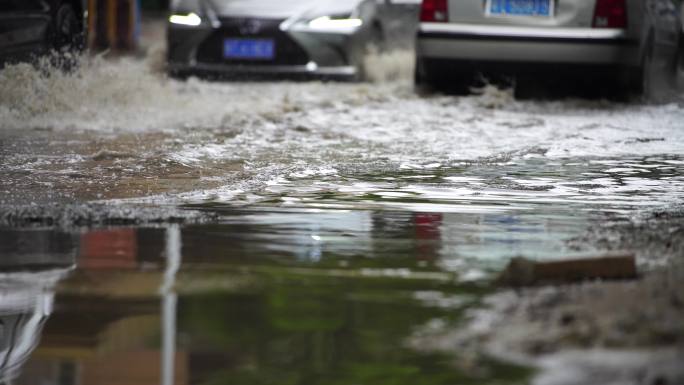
x=318 y=330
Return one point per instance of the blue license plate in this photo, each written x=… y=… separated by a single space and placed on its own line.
x=541 y=8
x=257 y=49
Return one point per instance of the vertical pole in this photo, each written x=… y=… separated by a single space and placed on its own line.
x=92 y=23
x=112 y=23
x=135 y=20
x=170 y=304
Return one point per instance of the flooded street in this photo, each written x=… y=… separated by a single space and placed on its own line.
x=156 y=231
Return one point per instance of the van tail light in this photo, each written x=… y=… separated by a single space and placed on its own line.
x=434 y=11
x=610 y=14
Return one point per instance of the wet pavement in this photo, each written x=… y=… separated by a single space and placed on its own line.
x=155 y=231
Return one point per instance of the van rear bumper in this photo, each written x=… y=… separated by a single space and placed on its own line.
x=588 y=46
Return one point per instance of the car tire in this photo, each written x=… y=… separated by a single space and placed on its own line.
x=429 y=78
x=679 y=65
x=67 y=34
x=642 y=85
x=424 y=81
x=375 y=45
x=420 y=80
x=178 y=75
x=378 y=41
x=654 y=79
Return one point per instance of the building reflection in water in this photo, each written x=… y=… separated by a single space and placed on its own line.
x=256 y=307
x=116 y=319
x=31 y=264
x=108 y=314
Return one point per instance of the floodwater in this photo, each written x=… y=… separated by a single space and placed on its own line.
x=345 y=217
x=205 y=305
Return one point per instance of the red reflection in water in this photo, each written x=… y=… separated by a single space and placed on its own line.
x=428 y=235
x=109 y=249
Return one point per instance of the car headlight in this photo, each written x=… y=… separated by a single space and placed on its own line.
x=189 y=13
x=190 y=19
x=331 y=22
x=341 y=24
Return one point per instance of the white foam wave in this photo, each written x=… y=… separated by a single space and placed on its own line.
x=314 y=123
x=126 y=94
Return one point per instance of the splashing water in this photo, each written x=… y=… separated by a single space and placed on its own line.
x=393 y=66
x=284 y=131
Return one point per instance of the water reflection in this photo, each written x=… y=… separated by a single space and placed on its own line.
x=455 y=242
x=109 y=313
x=32 y=264
x=171 y=306
x=318 y=285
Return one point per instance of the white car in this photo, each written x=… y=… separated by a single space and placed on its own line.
x=631 y=43
x=275 y=37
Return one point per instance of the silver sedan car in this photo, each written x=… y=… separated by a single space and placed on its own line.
x=316 y=37
x=631 y=43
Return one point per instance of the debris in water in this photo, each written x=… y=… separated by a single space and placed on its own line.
x=524 y=272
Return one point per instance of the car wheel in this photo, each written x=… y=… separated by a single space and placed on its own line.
x=656 y=76
x=679 y=64
x=420 y=79
x=67 y=35
x=375 y=45
x=643 y=83
x=443 y=77
x=377 y=42
x=178 y=74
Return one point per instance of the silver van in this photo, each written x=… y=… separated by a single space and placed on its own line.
x=634 y=42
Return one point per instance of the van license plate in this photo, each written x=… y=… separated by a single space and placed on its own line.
x=539 y=8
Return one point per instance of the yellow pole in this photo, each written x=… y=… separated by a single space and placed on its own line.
x=111 y=23
x=92 y=22
x=131 y=23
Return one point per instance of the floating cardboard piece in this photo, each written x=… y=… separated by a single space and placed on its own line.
x=525 y=272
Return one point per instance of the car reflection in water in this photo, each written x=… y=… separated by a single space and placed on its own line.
x=32 y=264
